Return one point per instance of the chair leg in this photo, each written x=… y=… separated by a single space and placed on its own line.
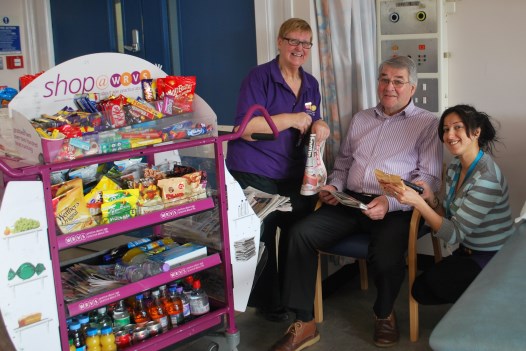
x=318 y=296
x=413 y=319
x=364 y=281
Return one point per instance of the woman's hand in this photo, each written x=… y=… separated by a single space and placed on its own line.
x=321 y=129
x=301 y=121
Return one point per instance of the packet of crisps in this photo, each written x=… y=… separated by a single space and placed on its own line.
x=71 y=212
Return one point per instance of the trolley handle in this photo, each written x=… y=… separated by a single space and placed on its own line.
x=243 y=125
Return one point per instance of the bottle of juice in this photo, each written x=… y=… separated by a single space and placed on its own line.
x=93 y=339
x=174 y=307
x=107 y=339
x=157 y=312
x=140 y=315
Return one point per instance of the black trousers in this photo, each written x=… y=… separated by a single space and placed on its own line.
x=267 y=293
x=328 y=225
x=446 y=281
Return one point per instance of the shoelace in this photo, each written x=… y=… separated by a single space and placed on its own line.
x=293 y=327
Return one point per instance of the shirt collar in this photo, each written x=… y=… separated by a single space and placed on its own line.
x=405 y=113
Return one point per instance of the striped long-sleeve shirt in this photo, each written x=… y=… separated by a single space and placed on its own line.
x=480 y=211
x=406 y=144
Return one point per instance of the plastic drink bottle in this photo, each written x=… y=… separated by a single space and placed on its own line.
x=129 y=272
x=140 y=316
x=75 y=334
x=84 y=324
x=198 y=300
x=93 y=339
x=107 y=339
x=121 y=316
x=174 y=307
x=157 y=312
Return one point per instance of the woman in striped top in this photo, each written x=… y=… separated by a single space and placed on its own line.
x=475 y=211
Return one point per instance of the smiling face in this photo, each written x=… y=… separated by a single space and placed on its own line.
x=293 y=56
x=394 y=99
x=456 y=139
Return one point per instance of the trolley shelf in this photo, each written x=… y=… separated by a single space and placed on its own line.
x=103 y=231
x=114 y=295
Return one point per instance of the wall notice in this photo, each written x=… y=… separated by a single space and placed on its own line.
x=10 y=40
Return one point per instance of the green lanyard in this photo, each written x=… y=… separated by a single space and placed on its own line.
x=451 y=193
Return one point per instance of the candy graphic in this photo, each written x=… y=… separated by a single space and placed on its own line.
x=26 y=271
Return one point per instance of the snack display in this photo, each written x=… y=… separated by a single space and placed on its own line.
x=115 y=123
x=123 y=189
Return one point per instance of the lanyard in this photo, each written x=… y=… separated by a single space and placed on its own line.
x=451 y=193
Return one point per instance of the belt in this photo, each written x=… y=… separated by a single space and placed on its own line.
x=353 y=193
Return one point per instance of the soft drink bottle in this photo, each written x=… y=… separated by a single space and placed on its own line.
x=140 y=315
x=84 y=324
x=157 y=312
x=174 y=307
x=75 y=334
x=121 y=316
x=198 y=300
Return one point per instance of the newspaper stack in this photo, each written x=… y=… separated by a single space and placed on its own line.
x=263 y=203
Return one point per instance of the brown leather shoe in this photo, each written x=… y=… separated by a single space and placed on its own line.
x=299 y=336
x=386 y=332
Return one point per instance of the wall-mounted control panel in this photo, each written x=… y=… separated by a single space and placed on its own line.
x=417 y=29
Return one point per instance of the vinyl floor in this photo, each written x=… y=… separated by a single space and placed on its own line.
x=348 y=321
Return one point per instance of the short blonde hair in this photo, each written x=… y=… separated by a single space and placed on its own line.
x=292 y=25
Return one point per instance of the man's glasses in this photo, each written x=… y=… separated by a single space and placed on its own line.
x=397 y=83
x=296 y=42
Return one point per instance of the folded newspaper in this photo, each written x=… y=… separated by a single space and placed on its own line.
x=315 y=174
x=263 y=203
x=348 y=200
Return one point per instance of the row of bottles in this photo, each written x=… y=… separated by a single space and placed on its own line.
x=139 y=317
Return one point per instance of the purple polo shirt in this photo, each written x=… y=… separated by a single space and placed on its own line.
x=280 y=158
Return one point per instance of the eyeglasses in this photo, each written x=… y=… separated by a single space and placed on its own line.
x=296 y=42
x=397 y=83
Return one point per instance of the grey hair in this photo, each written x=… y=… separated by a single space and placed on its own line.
x=401 y=62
